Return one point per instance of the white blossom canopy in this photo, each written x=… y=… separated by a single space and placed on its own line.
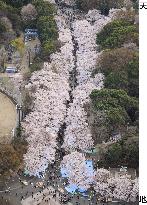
x=118 y=187
x=78 y=174
x=49 y=111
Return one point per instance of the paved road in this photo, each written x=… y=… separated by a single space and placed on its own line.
x=45 y=197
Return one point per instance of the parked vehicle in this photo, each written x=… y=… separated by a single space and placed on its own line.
x=24 y=182
x=11 y=70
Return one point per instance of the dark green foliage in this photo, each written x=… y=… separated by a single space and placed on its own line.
x=44 y=8
x=135 y=4
x=36 y=65
x=17 y=3
x=27 y=101
x=97 y=120
x=18 y=131
x=116 y=33
x=45 y=23
x=117 y=80
x=103 y=5
x=2 y=28
x=47 y=28
x=85 y=5
x=115 y=103
x=13 y=14
x=114 y=154
x=127 y=79
x=121 y=69
x=133 y=77
x=119 y=101
x=49 y=47
x=125 y=153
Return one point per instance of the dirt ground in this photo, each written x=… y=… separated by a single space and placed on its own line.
x=7 y=118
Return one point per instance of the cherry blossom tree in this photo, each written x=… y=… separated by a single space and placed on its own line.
x=135 y=191
x=77 y=172
x=78 y=134
x=41 y=151
x=118 y=187
x=51 y=86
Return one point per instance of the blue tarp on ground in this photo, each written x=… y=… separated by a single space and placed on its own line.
x=89 y=167
x=88 y=164
x=64 y=172
x=84 y=194
x=71 y=188
x=81 y=190
x=90 y=171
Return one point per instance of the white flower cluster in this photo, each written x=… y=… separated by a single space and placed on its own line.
x=102 y=186
x=105 y=184
x=51 y=1
x=135 y=191
x=120 y=187
x=50 y=97
x=77 y=134
x=69 y=2
x=41 y=151
x=78 y=174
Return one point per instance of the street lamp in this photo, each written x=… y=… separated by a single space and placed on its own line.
x=19 y=111
x=29 y=56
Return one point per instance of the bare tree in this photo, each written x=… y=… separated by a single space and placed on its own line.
x=28 y=13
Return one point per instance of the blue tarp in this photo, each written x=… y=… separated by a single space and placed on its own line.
x=64 y=173
x=89 y=167
x=81 y=190
x=71 y=188
x=84 y=194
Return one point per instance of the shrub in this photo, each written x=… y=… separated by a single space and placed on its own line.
x=124 y=153
x=2 y=28
x=128 y=15
x=36 y=65
x=102 y=5
x=48 y=48
x=9 y=159
x=17 y=3
x=133 y=77
x=121 y=69
x=116 y=33
x=44 y=8
x=47 y=28
x=27 y=101
x=12 y=14
x=18 y=44
x=116 y=104
x=12 y=155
